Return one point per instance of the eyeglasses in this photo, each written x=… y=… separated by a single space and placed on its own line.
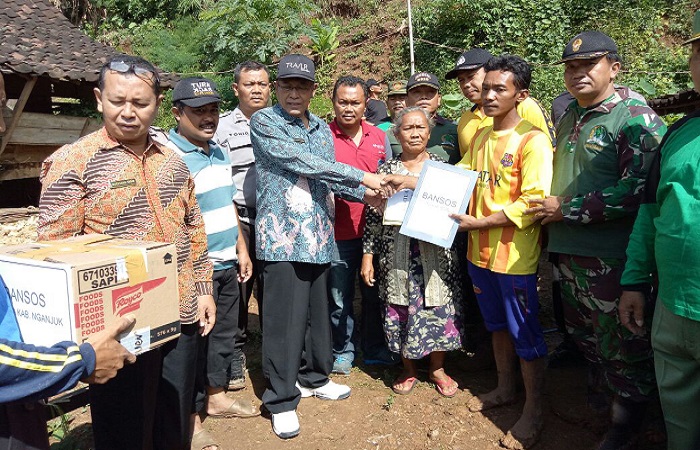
x=145 y=73
x=299 y=89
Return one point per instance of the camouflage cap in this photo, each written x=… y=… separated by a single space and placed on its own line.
x=397 y=88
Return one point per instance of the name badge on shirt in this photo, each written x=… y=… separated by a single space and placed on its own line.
x=122 y=183
x=299 y=140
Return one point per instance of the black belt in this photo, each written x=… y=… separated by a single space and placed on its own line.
x=244 y=211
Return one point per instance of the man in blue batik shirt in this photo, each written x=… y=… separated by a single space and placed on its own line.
x=297 y=176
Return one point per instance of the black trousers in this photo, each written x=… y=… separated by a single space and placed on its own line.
x=149 y=403
x=248 y=233
x=297 y=342
x=23 y=427
x=216 y=349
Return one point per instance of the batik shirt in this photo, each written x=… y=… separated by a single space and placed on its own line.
x=96 y=185
x=297 y=175
x=600 y=165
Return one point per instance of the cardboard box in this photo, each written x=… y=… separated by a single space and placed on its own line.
x=70 y=289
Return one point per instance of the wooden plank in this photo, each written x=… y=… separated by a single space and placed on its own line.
x=17 y=112
x=19 y=154
x=41 y=136
x=51 y=121
x=20 y=171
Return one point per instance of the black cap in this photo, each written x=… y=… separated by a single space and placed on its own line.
x=588 y=45
x=469 y=60
x=195 y=92
x=296 y=66
x=422 y=79
x=372 y=82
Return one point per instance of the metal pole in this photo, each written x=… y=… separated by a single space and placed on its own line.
x=410 y=38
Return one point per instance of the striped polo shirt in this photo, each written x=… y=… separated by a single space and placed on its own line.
x=214 y=189
x=514 y=166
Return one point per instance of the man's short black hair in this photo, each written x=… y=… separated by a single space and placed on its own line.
x=248 y=66
x=614 y=57
x=351 y=81
x=522 y=74
x=133 y=63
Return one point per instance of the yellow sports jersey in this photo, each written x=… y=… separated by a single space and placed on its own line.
x=514 y=166
x=529 y=109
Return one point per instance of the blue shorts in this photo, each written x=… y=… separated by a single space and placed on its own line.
x=511 y=302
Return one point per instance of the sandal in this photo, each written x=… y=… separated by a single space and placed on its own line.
x=202 y=440
x=239 y=409
x=447 y=387
x=402 y=380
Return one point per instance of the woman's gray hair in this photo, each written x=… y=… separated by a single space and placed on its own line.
x=399 y=118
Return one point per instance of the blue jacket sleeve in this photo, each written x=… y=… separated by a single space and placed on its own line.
x=271 y=143
x=28 y=372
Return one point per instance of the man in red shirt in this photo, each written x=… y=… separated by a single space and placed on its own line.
x=365 y=147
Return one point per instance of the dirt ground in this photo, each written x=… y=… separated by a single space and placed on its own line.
x=374 y=418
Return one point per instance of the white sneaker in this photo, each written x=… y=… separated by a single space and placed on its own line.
x=285 y=424
x=305 y=392
x=329 y=391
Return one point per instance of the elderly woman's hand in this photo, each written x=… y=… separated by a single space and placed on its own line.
x=367 y=269
x=399 y=182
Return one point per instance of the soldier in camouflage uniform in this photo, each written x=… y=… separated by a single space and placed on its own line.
x=606 y=143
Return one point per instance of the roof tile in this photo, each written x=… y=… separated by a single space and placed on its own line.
x=39 y=40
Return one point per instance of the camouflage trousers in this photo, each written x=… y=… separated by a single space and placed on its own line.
x=590 y=289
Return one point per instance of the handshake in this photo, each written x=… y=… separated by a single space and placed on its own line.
x=381 y=186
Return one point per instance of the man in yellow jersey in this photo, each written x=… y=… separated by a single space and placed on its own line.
x=469 y=72
x=514 y=162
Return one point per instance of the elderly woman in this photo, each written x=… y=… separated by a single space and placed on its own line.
x=418 y=281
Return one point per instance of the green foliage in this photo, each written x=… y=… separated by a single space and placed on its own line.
x=539 y=35
x=324 y=42
x=237 y=30
x=175 y=46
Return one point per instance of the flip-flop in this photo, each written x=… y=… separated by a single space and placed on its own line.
x=445 y=386
x=412 y=380
x=203 y=439
x=237 y=409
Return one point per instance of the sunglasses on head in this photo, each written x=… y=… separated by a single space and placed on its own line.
x=144 y=73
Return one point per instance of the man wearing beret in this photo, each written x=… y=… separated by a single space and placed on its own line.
x=423 y=90
x=663 y=246
x=297 y=176
x=605 y=145
x=395 y=102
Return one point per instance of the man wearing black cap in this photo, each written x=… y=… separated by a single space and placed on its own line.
x=605 y=146
x=297 y=176
x=664 y=243
x=376 y=108
x=196 y=110
x=469 y=72
x=423 y=90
